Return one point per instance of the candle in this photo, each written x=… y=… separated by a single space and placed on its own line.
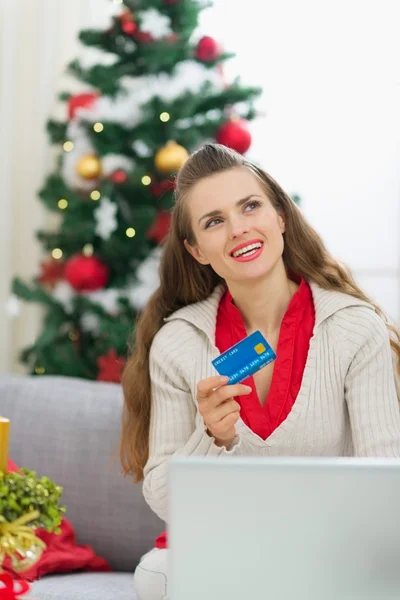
x=4 y=434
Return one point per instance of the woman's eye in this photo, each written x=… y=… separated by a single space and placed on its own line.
x=252 y=205
x=212 y=223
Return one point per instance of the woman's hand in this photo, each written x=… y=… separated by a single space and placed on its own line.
x=219 y=410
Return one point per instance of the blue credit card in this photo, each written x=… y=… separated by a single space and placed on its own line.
x=245 y=358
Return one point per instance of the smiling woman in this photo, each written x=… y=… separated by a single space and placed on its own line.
x=245 y=228
x=241 y=257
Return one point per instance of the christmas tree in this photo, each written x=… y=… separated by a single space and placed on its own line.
x=138 y=115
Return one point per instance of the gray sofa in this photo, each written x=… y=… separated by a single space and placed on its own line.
x=69 y=429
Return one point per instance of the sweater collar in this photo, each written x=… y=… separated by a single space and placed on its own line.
x=203 y=315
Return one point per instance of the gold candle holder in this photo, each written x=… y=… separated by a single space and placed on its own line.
x=4 y=436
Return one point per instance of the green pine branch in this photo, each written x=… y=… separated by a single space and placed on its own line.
x=70 y=241
x=186 y=7
x=62 y=357
x=37 y=293
x=54 y=189
x=56 y=131
x=151 y=59
x=105 y=78
x=231 y=95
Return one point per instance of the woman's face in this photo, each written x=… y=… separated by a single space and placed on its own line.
x=237 y=230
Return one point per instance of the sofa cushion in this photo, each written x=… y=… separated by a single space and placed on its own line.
x=85 y=586
x=69 y=429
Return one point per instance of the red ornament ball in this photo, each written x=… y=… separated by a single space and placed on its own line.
x=80 y=101
x=128 y=25
x=235 y=134
x=208 y=49
x=86 y=273
x=119 y=176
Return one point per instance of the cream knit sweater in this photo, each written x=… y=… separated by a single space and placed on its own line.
x=347 y=404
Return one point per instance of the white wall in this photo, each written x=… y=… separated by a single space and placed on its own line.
x=331 y=131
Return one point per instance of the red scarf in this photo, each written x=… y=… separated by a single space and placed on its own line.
x=292 y=351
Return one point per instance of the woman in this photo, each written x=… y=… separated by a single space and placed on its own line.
x=241 y=257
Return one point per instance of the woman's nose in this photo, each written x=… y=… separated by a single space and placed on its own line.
x=238 y=227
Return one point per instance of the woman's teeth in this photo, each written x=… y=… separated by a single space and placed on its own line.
x=247 y=250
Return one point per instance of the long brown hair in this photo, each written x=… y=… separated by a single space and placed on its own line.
x=184 y=281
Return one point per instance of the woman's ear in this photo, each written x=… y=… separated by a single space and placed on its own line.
x=196 y=253
x=281 y=223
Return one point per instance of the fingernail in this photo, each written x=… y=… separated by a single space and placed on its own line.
x=248 y=388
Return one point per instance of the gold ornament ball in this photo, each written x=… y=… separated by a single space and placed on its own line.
x=170 y=158
x=89 y=167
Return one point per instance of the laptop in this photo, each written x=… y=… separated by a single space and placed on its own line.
x=284 y=529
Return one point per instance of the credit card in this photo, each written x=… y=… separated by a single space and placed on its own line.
x=245 y=358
